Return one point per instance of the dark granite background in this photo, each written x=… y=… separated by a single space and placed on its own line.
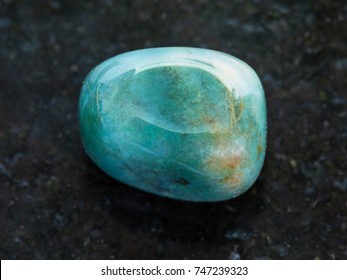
x=56 y=204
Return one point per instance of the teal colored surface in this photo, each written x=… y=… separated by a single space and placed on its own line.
x=184 y=123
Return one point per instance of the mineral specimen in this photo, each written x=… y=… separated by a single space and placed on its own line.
x=184 y=123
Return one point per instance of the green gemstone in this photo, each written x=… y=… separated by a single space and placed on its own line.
x=184 y=123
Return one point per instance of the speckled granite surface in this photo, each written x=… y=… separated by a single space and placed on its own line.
x=56 y=204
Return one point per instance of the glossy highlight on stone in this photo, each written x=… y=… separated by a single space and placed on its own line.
x=184 y=123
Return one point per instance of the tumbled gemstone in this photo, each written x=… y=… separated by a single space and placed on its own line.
x=184 y=123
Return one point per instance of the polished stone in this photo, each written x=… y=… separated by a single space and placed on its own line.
x=184 y=123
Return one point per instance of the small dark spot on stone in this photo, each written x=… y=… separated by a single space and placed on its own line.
x=259 y=150
x=182 y=181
